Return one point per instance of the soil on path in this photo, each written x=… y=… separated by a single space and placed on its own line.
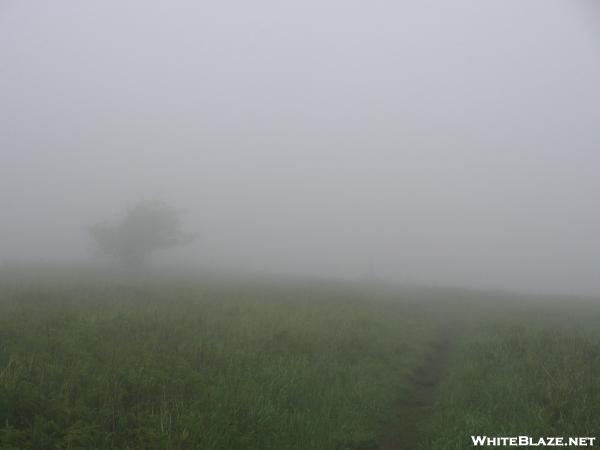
x=414 y=409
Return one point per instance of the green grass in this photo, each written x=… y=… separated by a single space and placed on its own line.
x=530 y=370
x=168 y=364
x=176 y=366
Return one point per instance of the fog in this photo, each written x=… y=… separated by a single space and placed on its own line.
x=449 y=143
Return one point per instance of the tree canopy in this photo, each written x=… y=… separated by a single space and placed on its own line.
x=145 y=228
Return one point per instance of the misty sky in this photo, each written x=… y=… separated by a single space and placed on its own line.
x=451 y=142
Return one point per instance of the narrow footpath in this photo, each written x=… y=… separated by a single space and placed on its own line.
x=415 y=408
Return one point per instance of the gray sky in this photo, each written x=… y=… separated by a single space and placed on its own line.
x=434 y=141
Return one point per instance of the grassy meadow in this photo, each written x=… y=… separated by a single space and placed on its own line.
x=530 y=369
x=174 y=364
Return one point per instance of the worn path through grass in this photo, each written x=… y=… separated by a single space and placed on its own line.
x=416 y=407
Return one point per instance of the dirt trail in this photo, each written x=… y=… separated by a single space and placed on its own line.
x=414 y=409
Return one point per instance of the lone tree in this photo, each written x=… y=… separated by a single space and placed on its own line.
x=146 y=227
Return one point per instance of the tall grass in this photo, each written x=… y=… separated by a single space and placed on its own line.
x=531 y=371
x=179 y=366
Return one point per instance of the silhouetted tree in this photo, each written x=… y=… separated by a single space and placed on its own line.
x=146 y=227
